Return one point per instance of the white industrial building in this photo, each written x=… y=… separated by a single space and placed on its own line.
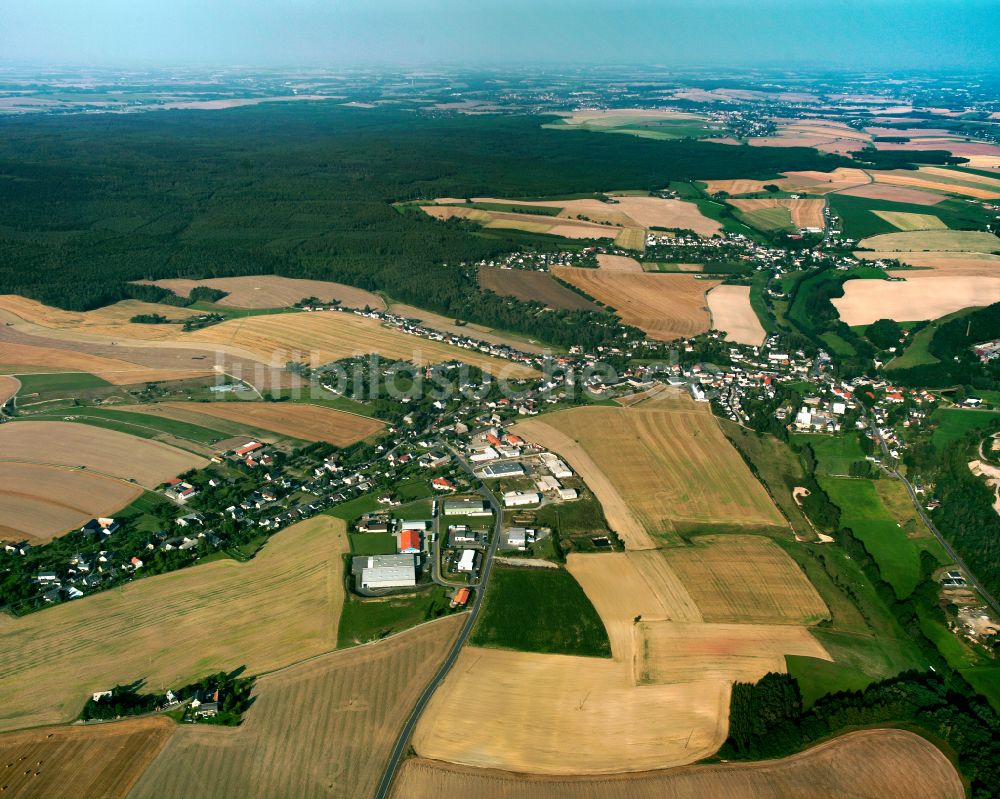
x=567 y=493
x=466 y=507
x=389 y=571
x=483 y=455
x=556 y=466
x=517 y=537
x=513 y=469
x=467 y=562
x=514 y=499
x=547 y=483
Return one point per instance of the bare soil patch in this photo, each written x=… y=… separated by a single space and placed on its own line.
x=529 y=285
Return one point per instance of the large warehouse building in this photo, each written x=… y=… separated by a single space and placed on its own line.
x=387 y=571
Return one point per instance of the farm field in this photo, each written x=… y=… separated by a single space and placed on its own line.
x=528 y=285
x=297 y=420
x=8 y=388
x=332 y=336
x=539 y=610
x=319 y=728
x=70 y=762
x=530 y=223
x=904 y=221
x=641 y=122
x=954 y=423
x=745 y=578
x=106 y=452
x=826 y=136
x=889 y=764
x=586 y=715
x=916 y=298
x=281 y=607
x=273 y=291
x=971 y=264
x=618 y=263
x=946 y=185
x=899 y=194
x=808 y=182
x=665 y=306
x=664 y=465
x=38 y=503
x=771 y=214
x=631 y=238
x=731 y=312
x=675 y=652
x=934 y=240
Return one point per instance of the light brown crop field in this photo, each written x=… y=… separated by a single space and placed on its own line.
x=96 y=761
x=528 y=285
x=811 y=182
x=585 y=716
x=320 y=728
x=665 y=306
x=281 y=607
x=669 y=465
x=532 y=223
x=33 y=359
x=674 y=652
x=746 y=578
x=971 y=264
x=937 y=240
x=8 y=388
x=331 y=336
x=298 y=420
x=804 y=213
x=919 y=180
x=41 y=502
x=631 y=238
x=732 y=312
x=902 y=220
x=626 y=585
x=889 y=764
x=916 y=298
x=737 y=186
x=618 y=263
x=273 y=291
x=881 y=191
x=96 y=449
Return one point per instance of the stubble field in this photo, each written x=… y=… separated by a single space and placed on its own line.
x=298 y=420
x=665 y=306
x=907 y=221
x=8 y=388
x=889 y=764
x=31 y=359
x=916 y=298
x=529 y=285
x=943 y=240
x=970 y=264
x=273 y=291
x=106 y=452
x=320 y=728
x=281 y=607
x=40 y=502
x=802 y=213
x=732 y=312
x=80 y=762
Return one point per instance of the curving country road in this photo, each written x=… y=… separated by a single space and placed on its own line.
x=399 y=748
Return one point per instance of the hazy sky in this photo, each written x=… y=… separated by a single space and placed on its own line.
x=864 y=33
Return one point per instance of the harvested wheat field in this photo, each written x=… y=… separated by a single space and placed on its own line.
x=971 y=264
x=618 y=263
x=935 y=240
x=737 y=186
x=919 y=180
x=631 y=238
x=881 y=191
x=812 y=182
x=665 y=306
x=670 y=465
x=320 y=728
x=869 y=764
x=106 y=452
x=8 y=388
x=534 y=286
x=279 y=608
x=560 y=714
x=674 y=652
x=902 y=220
x=37 y=359
x=624 y=585
x=916 y=298
x=40 y=502
x=746 y=578
x=297 y=420
x=733 y=314
x=96 y=761
x=333 y=335
x=532 y=223
x=272 y=291
x=804 y=213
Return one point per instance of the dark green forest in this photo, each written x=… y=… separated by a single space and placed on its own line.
x=91 y=202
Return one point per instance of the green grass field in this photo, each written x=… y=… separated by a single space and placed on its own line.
x=834 y=454
x=767 y=219
x=373 y=543
x=986 y=680
x=758 y=285
x=917 y=352
x=59 y=381
x=859 y=221
x=353 y=508
x=540 y=610
x=954 y=423
x=857 y=661
x=143 y=425
x=574 y=523
x=364 y=620
x=820 y=677
x=838 y=345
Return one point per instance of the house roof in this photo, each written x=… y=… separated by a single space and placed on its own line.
x=409 y=539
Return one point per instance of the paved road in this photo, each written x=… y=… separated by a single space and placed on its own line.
x=411 y=722
x=891 y=470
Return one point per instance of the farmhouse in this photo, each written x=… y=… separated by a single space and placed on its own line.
x=466 y=507
x=511 y=469
x=514 y=499
x=103 y=526
x=179 y=491
x=387 y=571
x=442 y=484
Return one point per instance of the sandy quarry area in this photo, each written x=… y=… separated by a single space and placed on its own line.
x=916 y=298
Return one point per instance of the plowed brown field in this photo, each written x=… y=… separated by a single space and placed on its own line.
x=321 y=728
x=529 y=285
